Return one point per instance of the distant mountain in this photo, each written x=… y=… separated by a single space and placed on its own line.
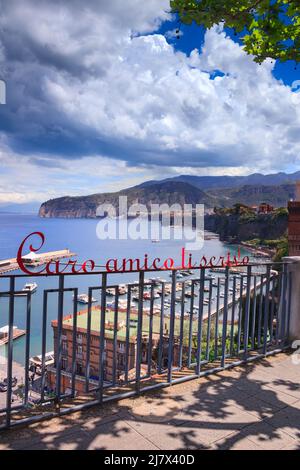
x=25 y=208
x=212 y=182
x=170 y=192
x=250 y=195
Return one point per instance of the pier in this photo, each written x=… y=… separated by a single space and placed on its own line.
x=4 y=334
x=34 y=259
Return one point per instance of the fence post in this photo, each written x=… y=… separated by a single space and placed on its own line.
x=293 y=296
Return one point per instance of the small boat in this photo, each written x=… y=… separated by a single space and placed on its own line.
x=84 y=299
x=110 y=292
x=123 y=304
x=218 y=270
x=189 y=294
x=185 y=273
x=122 y=289
x=30 y=287
x=155 y=240
x=178 y=275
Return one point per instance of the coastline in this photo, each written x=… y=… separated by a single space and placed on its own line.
x=261 y=252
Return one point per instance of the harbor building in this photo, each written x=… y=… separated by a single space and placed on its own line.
x=294 y=224
x=118 y=344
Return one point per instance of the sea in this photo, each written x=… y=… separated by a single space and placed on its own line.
x=81 y=236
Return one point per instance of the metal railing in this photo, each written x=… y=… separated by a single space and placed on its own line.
x=160 y=332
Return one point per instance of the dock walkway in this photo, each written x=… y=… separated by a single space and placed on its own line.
x=17 y=333
x=34 y=260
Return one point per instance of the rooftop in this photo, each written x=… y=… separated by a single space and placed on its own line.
x=82 y=317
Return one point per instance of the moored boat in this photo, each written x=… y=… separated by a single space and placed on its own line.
x=84 y=299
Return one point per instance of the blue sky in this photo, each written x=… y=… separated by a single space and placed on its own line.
x=101 y=96
x=192 y=37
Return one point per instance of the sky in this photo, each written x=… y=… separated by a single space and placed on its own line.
x=102 y=95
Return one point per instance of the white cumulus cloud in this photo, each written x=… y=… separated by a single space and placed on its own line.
x=94 y=80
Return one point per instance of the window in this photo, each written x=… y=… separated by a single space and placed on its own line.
x=65 y=346
x=79 y=349
x=64 y=364
x=121 y=361
x=144 y=356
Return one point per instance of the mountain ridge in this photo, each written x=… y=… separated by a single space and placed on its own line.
x=228 y=181
x=169 y=192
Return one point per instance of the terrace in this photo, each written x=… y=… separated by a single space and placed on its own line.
x=216 y=377
x=256 y=406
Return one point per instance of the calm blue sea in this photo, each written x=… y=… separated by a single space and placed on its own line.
x=79 y=235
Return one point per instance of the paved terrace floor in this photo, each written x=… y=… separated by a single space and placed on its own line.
x=256 y=406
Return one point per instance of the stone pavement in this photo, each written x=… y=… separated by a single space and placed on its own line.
x=256 y=406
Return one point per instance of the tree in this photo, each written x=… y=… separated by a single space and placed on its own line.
x=267 y=28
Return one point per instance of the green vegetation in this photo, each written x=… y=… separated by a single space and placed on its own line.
x=236 y=209
x=280 y=212
x=280 y=244
x=242 y=223
x=256 y=242
x=282 y=249
x=267 y=28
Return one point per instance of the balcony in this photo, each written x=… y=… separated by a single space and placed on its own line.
x=255 y=406
x=225 y=349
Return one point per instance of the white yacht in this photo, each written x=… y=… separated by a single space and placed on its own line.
x=30 y=287
x=84 y=299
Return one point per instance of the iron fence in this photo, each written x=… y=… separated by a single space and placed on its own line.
x=150 y=333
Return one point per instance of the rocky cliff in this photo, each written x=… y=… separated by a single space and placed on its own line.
x=241 y=227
